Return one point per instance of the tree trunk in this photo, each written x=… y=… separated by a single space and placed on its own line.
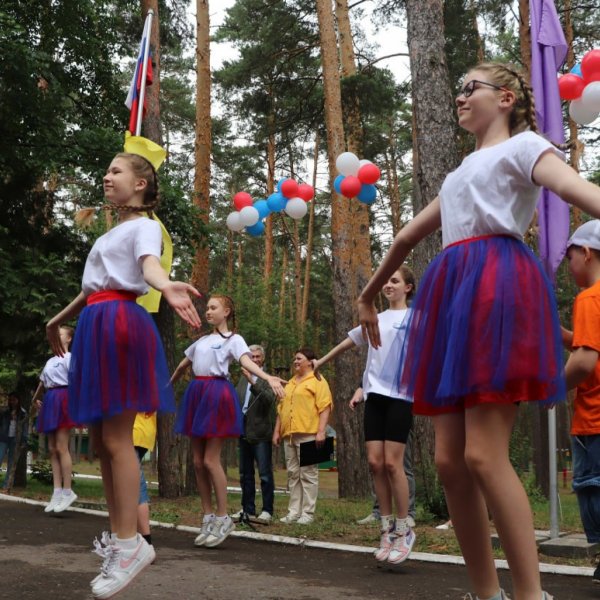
x=200 y=270
x=269 y=220
x=435 y=154
x=352 y=465
x=525 y=35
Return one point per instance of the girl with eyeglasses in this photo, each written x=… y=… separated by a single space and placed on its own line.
x=484 y=333
x=210 y=411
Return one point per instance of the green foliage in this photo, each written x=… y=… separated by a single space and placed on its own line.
x=41 y=470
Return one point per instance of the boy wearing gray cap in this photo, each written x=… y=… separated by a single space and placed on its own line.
x=583 y=373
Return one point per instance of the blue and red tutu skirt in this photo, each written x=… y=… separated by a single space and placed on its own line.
x=484 y=328
x=209 y=409
x=117 y=361
x=54 y=413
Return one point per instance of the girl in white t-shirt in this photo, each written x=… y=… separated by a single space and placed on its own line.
x=210 y=410
x=118 y=366
x=484 y=333
x=54 y=420
x=388 y=417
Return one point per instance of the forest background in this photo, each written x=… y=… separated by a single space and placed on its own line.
x=306 y=84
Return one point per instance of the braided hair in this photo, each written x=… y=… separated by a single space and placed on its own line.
x=523 y=115
x=142 y=169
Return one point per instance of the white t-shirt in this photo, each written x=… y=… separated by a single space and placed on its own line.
x=56 y=371
x=492 y=191
x=212 y=354
x=392 y=329
x=114 y=260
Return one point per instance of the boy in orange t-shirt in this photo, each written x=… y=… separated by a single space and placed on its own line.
x=583 y=372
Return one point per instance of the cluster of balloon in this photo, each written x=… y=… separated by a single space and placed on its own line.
x=356 y=178
x=291 y=197
x=582 y=87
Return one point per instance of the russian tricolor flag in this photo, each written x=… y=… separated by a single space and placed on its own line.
x=135 y=89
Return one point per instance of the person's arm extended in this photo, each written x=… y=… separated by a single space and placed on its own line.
x=341 y=347
x=580 y=365
x=272 y=380
x=66 y=314
x=180 y=370
x=323 y=420
x=426 y=222
x=176 y=293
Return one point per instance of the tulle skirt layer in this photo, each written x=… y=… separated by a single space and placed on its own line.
x=117 y=363
x=54 y=413
x=484 y=328
x=210 y=408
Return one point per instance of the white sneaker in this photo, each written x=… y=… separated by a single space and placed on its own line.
x=221 y=528
x=385 y=546
x=410 y=522
x=100 y=548
x=264 y=517
x=289 y=518
x=236 y=516
x=370 y=518
x=205 y=530
x=65 y=502
x=305 y=520
x=401 y=548
x=122 y=566
x=445 y=526
x=56 y=498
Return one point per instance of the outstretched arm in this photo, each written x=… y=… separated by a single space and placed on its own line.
x=176 y=293
x=274 y=382
x=341 y=347
x=66 y=314
x=426 y=222
x=180 y=370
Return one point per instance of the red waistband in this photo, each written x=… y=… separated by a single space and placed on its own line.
x=209 y=377
x=107 y=295
x=480 y=237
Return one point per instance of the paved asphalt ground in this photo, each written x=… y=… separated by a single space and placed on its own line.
x=48 y=558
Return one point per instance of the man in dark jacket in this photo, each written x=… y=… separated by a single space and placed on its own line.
x=258 y=406
x=13 y=435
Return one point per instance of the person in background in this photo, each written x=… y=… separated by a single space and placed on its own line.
x=14 y=434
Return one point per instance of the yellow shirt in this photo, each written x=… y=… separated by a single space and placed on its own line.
x=144 y=430
x=302 y=404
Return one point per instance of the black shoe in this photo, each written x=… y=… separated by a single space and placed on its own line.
x=596 y=575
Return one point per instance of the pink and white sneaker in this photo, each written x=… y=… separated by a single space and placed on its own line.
x=401 y=548
x=385 y=546
x=122 y=566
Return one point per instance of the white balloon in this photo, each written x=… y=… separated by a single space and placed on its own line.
x=347 y=163
x=364 y=162
x=233 y=221
x=581 y=114
x=296 y=208
x=249 y=216
x=590 y=96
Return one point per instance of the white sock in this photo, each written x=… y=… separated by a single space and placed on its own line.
x=128 y=543
x=401 y=525
x=208 y=518
x=386 y=522
x=67 y=492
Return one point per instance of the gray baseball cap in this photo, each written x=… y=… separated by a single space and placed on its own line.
x=587 y=234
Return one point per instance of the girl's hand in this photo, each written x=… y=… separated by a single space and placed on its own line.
x=177 y=294
x=277 y=384
x=357 y=398
x=38 y=404
x=53 y=335
x=367 y=316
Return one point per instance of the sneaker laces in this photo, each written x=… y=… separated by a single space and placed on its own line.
x=103 y=548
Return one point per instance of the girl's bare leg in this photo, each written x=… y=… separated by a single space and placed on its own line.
x=381 y=483
x=64 y=457
x=202 y=474
x=212 y=461
x=394 y=468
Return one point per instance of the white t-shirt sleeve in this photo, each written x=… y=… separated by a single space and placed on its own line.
x=356 y=336
x=148 y=240
x=238 y=347
x=528 y=151
x=191 y=350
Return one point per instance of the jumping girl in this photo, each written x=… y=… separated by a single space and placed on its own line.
x=484 y=332
x=211 y=412
x=388 y=418
x=118 y=367
x=54 y=421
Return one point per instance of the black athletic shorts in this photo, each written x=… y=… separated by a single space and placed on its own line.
x=387 y=419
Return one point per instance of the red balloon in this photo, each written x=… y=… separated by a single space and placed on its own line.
x=590 y=66
x=369 y=173
x=306 y=192
x=289 y=188
x=242 y=199
x=570 y=86
x=350 y=186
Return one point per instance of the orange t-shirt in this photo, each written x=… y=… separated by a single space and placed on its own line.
x=586 y=332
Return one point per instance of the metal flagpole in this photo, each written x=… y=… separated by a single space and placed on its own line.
x=554 y=531
x=147 y=32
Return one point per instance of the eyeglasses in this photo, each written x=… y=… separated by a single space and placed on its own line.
x=468 y=90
